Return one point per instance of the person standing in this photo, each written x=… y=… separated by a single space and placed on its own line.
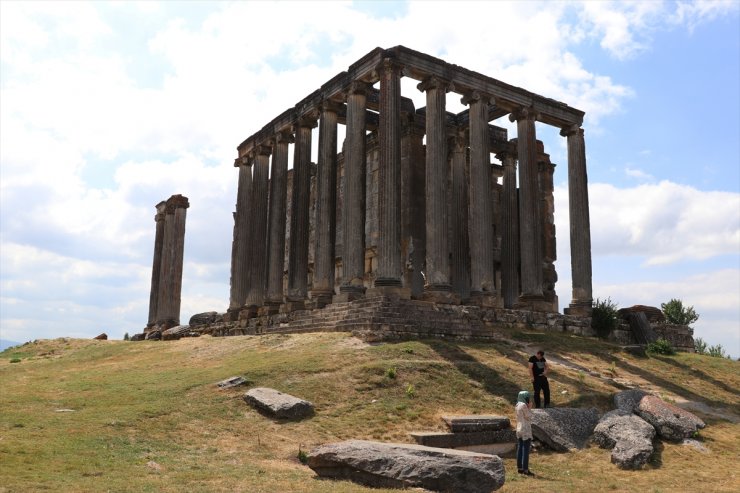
x=538 y=370
x=523 y=432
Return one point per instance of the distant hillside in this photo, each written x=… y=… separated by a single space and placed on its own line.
x=87 y=415
x=5 y=344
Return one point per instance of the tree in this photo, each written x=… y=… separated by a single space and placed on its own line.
x=676 y=313
x=126 y=337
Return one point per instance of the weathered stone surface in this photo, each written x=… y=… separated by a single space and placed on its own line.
x=671 y=422
x=179 y=331
x=277 y=404
x=138 y=337
x=153 y=335
x=101 y=337
x=231 y=382
x=398 y=465
x=457 y=440
x=628 y=400
x=652 y=313
x=205 y=318
x=564 y=429
x=629 y=436
x=464 y=424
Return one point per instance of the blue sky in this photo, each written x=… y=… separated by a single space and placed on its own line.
x=106 y=108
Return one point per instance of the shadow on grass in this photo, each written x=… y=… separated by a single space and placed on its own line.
x=700 y=374
x=492 y=381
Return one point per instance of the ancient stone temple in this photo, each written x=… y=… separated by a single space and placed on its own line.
x=169 y=246
x=411 y=212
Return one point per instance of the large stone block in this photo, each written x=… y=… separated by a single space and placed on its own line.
x=564 y=429
x=464 y=424
x=671 y=422
x=395 y=465
x=277 y=404
x=629 y=436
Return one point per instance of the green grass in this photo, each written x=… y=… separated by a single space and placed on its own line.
x=136 y=402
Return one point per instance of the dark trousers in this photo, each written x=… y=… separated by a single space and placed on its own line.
x=541 y=383
x=522 y=454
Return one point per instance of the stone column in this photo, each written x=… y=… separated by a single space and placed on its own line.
x=353 y=213
x=173 y=248
x=276 y=234
x=326 y=206
x=580 y=226
x=258 y=230
x=413 y=202
x=156 y=265
x=530 y=229
x=459 y=247
x=389 y=169
x=483 y=284
x=298 y=253
x=437 y=265
x=240 y=266
x=547 y=215
x=509 y=231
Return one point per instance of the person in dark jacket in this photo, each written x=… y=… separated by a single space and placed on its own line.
x=538 y=370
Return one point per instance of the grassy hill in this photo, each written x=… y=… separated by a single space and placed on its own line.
x=85 y=415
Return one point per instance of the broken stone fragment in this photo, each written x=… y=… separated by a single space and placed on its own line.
x=231 y=382
x=629 y=436
x=670 y=422
x=465 y=424
x=397 y=465
x=564 y=429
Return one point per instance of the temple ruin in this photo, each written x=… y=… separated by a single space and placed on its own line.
x=410 y=211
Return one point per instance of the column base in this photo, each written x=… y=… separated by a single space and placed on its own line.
x=248 y=312
x=349 y=292
x=391 y=292
x=322 y=297
x=292 y=306
x=232 y=315
x=440 y=293
x=486 y=299
x=387 y=281
x=580 y=308
x=533 y=302
x=269 y=308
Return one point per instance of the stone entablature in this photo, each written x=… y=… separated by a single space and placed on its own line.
x=392 y=215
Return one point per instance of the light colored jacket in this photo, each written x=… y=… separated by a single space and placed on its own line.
x=523 y=421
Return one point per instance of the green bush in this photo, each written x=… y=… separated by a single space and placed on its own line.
x=717 y=351
x=661 y=346
x=700 y=345
x=604 y=318
x=15 y=360
x=676 y=313
x=391 y=372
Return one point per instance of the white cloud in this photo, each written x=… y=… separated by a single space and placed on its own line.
x=638 y=173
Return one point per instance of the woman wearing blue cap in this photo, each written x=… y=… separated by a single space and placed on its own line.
x=523 y=432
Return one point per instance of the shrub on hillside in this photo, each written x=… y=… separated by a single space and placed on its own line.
x=604 y=318
x=676 y=313
x=661 y=346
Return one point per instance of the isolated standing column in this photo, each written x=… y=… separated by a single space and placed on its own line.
x=173 y=247
x=156 y=264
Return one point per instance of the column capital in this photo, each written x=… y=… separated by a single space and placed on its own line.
x=309 y=120
x=283 y=136
x=434 y=82
x=524 y=113
x=262 y=150
x=474 y=96
x=176 y=202
x=571 y=130
x=330 y=105
x=358 y=87
x=245 y=160
x=388 y=64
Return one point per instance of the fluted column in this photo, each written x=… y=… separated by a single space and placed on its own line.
x=298 y=253
x=580 y=226
x=389 y=203
x=459 y=246
x=530 y=235
x=483 y=284
x=353 y=213
x=240 y=266
x=276 y=234
x=413 y=202
x=173 y=247
x=509 y=231
x=326 y=206
x=156 y=263
x=437 y=266
x=258 y=228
